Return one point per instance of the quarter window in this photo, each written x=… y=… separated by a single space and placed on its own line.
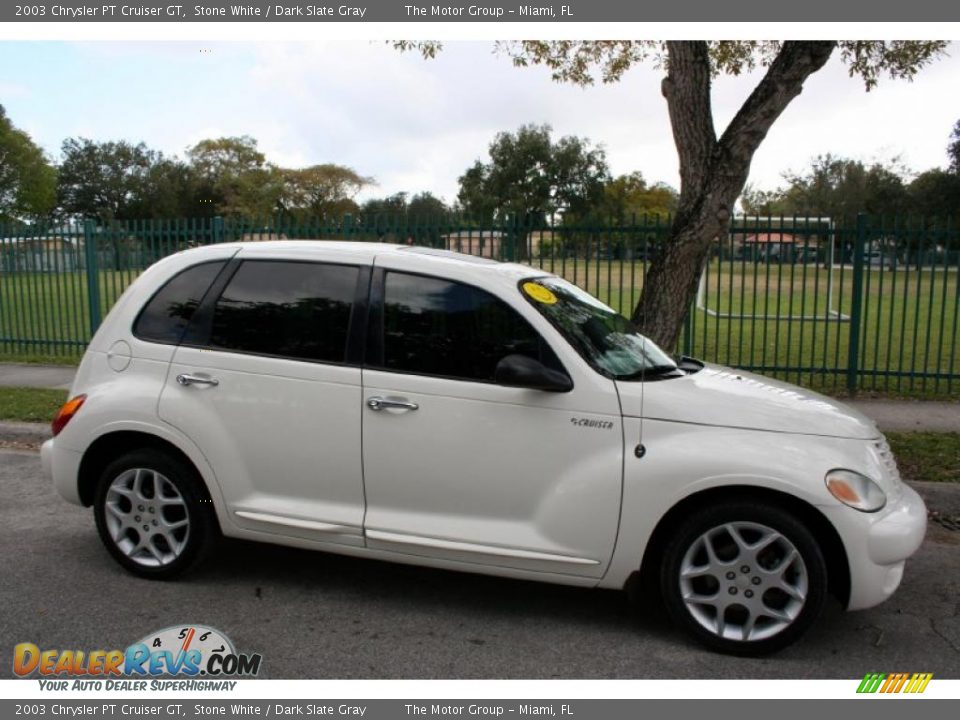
x=295 y=310
x=168 y=313
x=438 y=327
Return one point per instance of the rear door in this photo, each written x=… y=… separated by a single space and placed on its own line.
x=264 y=386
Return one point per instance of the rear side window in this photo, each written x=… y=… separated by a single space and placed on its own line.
x=438 y=327
x=168 y=313
x=295 y=310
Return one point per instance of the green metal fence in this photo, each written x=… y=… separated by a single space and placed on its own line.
x=838 y=304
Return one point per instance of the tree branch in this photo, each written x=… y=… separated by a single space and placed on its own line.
x=687 y=91
x=783 y=81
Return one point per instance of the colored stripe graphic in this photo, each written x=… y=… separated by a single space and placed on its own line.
x=894 y=683
x=870 y=683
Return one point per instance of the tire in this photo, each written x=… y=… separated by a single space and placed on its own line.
x=153 y=513
x=766 y=578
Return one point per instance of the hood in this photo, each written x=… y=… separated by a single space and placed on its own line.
x=731 y=398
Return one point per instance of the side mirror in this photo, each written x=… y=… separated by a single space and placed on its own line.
x=525 y=372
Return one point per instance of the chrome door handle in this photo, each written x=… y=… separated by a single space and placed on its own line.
x=186 y=380
x=391 y=403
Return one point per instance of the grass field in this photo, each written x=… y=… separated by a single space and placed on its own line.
x=45 y=316
x=795 y=326
x=30 y=404
x=927 y=456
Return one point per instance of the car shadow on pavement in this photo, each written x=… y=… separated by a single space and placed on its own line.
x=264 y=570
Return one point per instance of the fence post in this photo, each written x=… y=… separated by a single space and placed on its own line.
x=93 y=274
x=856 y=304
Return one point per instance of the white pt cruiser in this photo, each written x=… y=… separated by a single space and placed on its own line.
x=440 y=409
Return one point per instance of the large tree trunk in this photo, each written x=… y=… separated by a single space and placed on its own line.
x=712 y=171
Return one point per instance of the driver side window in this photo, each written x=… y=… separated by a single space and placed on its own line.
x=448 y=329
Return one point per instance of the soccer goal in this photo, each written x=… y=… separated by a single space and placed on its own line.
x=769 y=240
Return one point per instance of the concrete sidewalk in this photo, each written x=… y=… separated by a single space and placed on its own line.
x=911 y=415
x=896 y=415
x=58 y=377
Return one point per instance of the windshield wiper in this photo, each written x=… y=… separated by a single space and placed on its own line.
x=650 y=372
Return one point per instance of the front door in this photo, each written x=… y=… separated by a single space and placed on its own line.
x=460 y=468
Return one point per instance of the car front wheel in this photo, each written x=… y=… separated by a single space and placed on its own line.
x=153 y=514
x=744 y=578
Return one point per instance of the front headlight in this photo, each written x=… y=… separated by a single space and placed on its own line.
x=856 y=490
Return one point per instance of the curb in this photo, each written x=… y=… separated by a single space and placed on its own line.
x=24 y=432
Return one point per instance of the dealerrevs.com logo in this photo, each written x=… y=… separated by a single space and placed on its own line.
x=190 y=651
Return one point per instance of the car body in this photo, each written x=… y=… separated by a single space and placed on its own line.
x=440 y=409
x=881 y=259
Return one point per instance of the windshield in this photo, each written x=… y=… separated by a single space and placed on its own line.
x=605 y=339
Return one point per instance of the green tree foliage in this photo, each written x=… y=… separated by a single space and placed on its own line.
x=935 y=194
x=427 y=206
x=28 y=183
x=530 y=177
x=392 y=206
x=174 y=191
x=423 y=206
x=321 y=191
x=838 y=188
x=234 y=178
x=768 y=203
x=109 y=181
x=841 y=187
x=226 y=177
x=627 y=197
x=401 y=218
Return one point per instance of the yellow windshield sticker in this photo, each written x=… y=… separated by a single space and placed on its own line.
x=539 y=293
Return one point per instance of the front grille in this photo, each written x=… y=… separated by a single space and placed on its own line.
x=887 y=458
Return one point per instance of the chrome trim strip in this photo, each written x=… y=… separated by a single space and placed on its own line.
x=297 y=523
x=438 y=544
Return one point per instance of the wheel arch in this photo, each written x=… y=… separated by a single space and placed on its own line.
x=109 y=445
x=834 y=553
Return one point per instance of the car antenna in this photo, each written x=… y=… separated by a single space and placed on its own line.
x=639 y=451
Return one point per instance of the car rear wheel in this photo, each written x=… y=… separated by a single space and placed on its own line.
x=153 y=514
x=744 y=578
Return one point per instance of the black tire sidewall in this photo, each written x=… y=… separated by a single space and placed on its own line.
x=190 y=486
x=772 y=516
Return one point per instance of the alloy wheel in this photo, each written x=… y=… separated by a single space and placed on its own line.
x=146 y=517
x=743 y=581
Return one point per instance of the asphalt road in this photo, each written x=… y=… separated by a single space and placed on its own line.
x=314 y=615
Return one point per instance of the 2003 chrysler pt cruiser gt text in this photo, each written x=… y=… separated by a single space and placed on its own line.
x=446 y=410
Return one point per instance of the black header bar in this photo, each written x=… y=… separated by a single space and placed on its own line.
x=420 y=12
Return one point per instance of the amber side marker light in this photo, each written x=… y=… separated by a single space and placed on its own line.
x=66 y=413
x=856 y=490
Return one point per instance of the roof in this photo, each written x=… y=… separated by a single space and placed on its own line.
x=467 y=234
x=368 y=251
x=774 y=238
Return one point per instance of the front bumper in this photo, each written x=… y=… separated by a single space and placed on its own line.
x=878 y=545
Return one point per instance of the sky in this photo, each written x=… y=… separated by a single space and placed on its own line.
x=416 y=125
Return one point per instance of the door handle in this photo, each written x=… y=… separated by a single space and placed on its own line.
x=391 y=403
x=187 y=380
